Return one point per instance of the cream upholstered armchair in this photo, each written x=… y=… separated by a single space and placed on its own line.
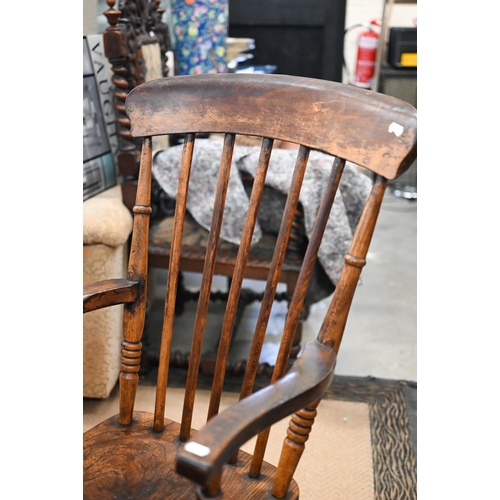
x=107 y=224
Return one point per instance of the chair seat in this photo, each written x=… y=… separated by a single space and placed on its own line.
x=194 y=245
x=133 y=462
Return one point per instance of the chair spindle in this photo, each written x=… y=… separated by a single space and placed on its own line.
x=274 y=272
x=206 y=284
x=237 y=279
x=173 y=276
x=299 y=297
x=301 y=422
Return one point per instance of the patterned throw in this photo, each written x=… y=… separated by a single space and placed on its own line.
x=353 y=192
x=200 y=30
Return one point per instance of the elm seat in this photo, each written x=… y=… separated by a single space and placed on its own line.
x=130 y=454
x=132 y=472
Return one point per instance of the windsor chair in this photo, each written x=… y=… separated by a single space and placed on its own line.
x=137 y=454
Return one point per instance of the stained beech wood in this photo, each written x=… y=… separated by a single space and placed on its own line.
x=141 y=455
x=107 y=293
x=382 y=129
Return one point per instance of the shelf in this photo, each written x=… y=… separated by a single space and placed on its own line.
x=386 y=16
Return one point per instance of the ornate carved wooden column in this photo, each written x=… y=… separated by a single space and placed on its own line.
x=132 y=25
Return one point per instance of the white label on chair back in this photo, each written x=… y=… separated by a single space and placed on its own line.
x=197 y=449
x=396 y=129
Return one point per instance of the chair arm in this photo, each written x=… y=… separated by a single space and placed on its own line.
x=107 y=293
x=201 y=458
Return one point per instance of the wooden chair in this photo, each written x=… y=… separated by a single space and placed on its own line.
x=136 y=44
x=144 y=455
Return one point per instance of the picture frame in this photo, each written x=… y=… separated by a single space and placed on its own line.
x=100 y=137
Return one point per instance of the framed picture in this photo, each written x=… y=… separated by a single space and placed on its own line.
x=100 y=139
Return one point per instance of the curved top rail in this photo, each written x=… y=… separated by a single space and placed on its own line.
x=370 y=129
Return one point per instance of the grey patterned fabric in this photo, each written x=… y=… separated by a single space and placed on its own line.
x=349 y=201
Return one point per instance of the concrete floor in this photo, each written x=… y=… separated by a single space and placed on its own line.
x=381 y=333
x=380 y=339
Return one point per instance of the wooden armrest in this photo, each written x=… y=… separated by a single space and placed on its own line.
x=201 y=458
x=107 y=293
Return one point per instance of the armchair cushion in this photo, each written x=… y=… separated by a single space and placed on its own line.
x=106 y=221
x=107 y=224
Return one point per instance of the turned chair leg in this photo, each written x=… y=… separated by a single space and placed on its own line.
x=129 y=379
x=298 y=432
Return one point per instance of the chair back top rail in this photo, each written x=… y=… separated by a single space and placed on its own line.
x=372 y=130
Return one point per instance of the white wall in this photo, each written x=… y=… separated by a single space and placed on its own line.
x=89 y=17
x=357 y=12
x=362 y=12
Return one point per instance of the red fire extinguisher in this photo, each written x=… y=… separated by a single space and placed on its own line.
x=367 y=56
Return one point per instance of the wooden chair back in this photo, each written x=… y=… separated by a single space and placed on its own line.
x=136 y=43
x=374 y=131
